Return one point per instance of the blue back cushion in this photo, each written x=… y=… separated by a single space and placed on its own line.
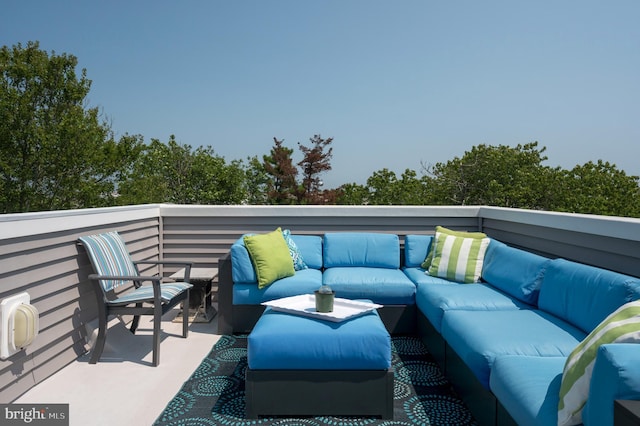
x=241 y=266
x=616 y=375
x=109 y=256
x=310 y=247
x=361 y=249
x=514 y=271
x=416 y=248
x=584 y=295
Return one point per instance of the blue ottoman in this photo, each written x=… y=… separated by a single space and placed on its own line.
x=300 y=366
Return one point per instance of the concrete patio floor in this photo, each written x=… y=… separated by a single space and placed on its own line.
x=123 y=388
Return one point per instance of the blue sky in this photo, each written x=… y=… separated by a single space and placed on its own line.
x=397 y=84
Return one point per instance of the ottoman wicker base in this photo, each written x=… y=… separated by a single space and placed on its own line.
x=301 y=366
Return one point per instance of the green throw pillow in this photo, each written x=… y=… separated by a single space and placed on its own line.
x=622 y=326
x=443 y=230
x=270 y=256
x=457 y=258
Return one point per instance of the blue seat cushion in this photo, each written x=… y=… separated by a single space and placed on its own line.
x=380 y=285
x=478 y=337
x=528 y=387
x=282 y=341
x=145 y=293
x=418 y=276
x=434 y=300
x=305 y=281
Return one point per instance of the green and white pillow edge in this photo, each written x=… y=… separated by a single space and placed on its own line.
x=621 y=326
x=466 y=234
x=458 y=258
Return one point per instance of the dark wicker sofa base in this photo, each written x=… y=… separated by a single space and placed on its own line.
x=319 y=393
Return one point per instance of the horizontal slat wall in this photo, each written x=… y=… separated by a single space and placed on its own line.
x=607 y=242
x=205 y=234
x=53 y=269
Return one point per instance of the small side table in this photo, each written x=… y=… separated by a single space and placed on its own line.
x=200 y=308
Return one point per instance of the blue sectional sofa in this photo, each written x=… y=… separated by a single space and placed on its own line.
x=354 y=265
x=503 y=342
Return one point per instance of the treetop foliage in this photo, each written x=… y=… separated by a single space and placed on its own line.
x=282 y=187
x=58 y=153
x=507 y=177
x=315 y=162
x=54 y=152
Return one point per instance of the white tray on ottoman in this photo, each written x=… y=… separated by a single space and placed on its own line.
x=305 y=304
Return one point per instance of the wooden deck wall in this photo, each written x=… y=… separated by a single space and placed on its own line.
x=39 y=254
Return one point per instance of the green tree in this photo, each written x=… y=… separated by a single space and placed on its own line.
x=496 y=176
x=54 y=152
x=282 y=186
x=353 y=194
x=382 y=187
x=413 y=190
x=599 y=188
x=175 y=173
x=385 y=188
x=256 y=182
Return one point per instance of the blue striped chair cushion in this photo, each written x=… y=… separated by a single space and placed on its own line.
x=109 y=256
x=145 y=293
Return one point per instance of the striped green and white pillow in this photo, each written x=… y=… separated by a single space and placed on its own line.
x=458 y=258
x=622 y=326
x=443 y=230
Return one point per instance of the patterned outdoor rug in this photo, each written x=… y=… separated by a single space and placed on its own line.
x=214 y=395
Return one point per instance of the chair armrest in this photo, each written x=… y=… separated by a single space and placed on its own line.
x=163 y=262
x=187 y=265
x=616 y=375
x=126 y=278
